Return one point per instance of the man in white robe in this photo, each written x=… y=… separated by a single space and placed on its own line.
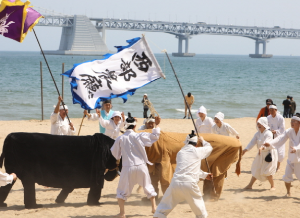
x=184 y=184
x=59 y=122
x=6 y=179
x=204 y=123
x=131 y=146
x=277 y=126
x=222 y=128
x=293 y=161
x=149 y=123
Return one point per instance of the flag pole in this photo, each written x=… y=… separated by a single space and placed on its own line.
x=189 y=111
x=63 y=104
x=81 y=123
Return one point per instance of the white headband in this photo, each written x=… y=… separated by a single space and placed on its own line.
x=61 y=107
x=272 y=107
x=296 y=118
x=129 y=124
x=188 y=139
x=150 y=120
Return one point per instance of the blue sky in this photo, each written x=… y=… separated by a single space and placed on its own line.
x=237 y=12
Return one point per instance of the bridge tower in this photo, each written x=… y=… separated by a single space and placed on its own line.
x=82 y=38
x=186 y=53
x=263 y=55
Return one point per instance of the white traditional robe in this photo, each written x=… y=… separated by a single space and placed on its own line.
x=225 y=129
x=5 y=179
x=184 y=184
x=277 y=123
x=131 y=146
x=143 y=127
x=204 y=126
x=60 y=126
x=293 y=162
x=260 y=168
x=111 y=129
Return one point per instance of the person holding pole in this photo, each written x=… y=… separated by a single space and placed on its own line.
x=106 y=113
x=184 y=184
x=60 y=125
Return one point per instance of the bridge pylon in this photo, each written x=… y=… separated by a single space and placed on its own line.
x=186 y=53
x=263 y=55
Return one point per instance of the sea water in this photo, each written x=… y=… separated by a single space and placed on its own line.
x=233 y=84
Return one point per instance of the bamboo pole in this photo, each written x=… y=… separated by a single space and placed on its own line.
x=189 y=112
x=81 y=124
x=42 y=102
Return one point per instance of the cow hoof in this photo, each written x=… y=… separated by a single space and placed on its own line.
x=35 y=206
x=59 y=201
x=3 y=205
x=94 y=203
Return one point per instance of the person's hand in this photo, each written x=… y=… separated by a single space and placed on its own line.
x=85 y=112
x=267 y=144
x=209 y=176
x=71 y=126
x=14 y=176
x=123 y=116
x=273 y=131
x=60 y=99
x=98 y=112
x=200 y=139
x=260 y=149
x=237 y=137
x=293 y=150
x=244 y=151
x=157 y=120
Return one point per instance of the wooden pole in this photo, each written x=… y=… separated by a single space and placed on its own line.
x=81 y=124
x=63 y=104
x=62 y=84
x=42 y=103
x=189 y=112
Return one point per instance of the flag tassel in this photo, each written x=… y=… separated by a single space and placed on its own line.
x=63 y=104
x=189 y=112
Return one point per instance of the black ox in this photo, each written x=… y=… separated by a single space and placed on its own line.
x=66 y=162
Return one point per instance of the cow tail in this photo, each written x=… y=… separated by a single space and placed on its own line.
x=238 y=164
x=1 y=160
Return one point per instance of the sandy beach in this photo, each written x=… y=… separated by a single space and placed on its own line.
x=234 y=202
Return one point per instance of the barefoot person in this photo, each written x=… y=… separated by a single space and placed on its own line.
x=6 y=179
x=261 y=169
x=59 y=123
x=222 y=128
x=131 y=147
x=277 y=126
x=184 y=184
x=204 y=123
x=293 y=161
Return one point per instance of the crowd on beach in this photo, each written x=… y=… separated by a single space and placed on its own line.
x=269 y=139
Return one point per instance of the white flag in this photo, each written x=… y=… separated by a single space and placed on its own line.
x=117 y=75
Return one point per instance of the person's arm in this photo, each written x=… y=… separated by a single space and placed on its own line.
x=232 y=131
x=6 y=178
x=251 y=144
x=91 y=116
x=269 y=139
x=295 y=106
x=56 y=110
x=260 y=114
x=72 y=130
x=204 y=151
x=278 y=141
x=193 y=100
x=116 y=149
x=104 y=123
x=281 y=128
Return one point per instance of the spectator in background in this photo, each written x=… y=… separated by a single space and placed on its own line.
x=190 y=100
x=146 y=108
x=286 y=107
x=293 y=107
x=264 y=112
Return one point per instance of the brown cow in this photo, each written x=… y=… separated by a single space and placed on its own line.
x=226 y=150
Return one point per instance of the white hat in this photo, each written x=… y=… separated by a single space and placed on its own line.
x=220 y=116
x=145 y=94
x=61 y=107
x=272 y=107
x=263 y=121
x=202 y=109
x=296 y=118
x=116 y=114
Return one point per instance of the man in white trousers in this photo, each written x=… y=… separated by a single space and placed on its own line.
x=293 y=161
x=184 y=184
x=277 y=127
x=6 y=179
x=131 y=146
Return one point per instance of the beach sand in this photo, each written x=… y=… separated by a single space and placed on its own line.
x=234 y=202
